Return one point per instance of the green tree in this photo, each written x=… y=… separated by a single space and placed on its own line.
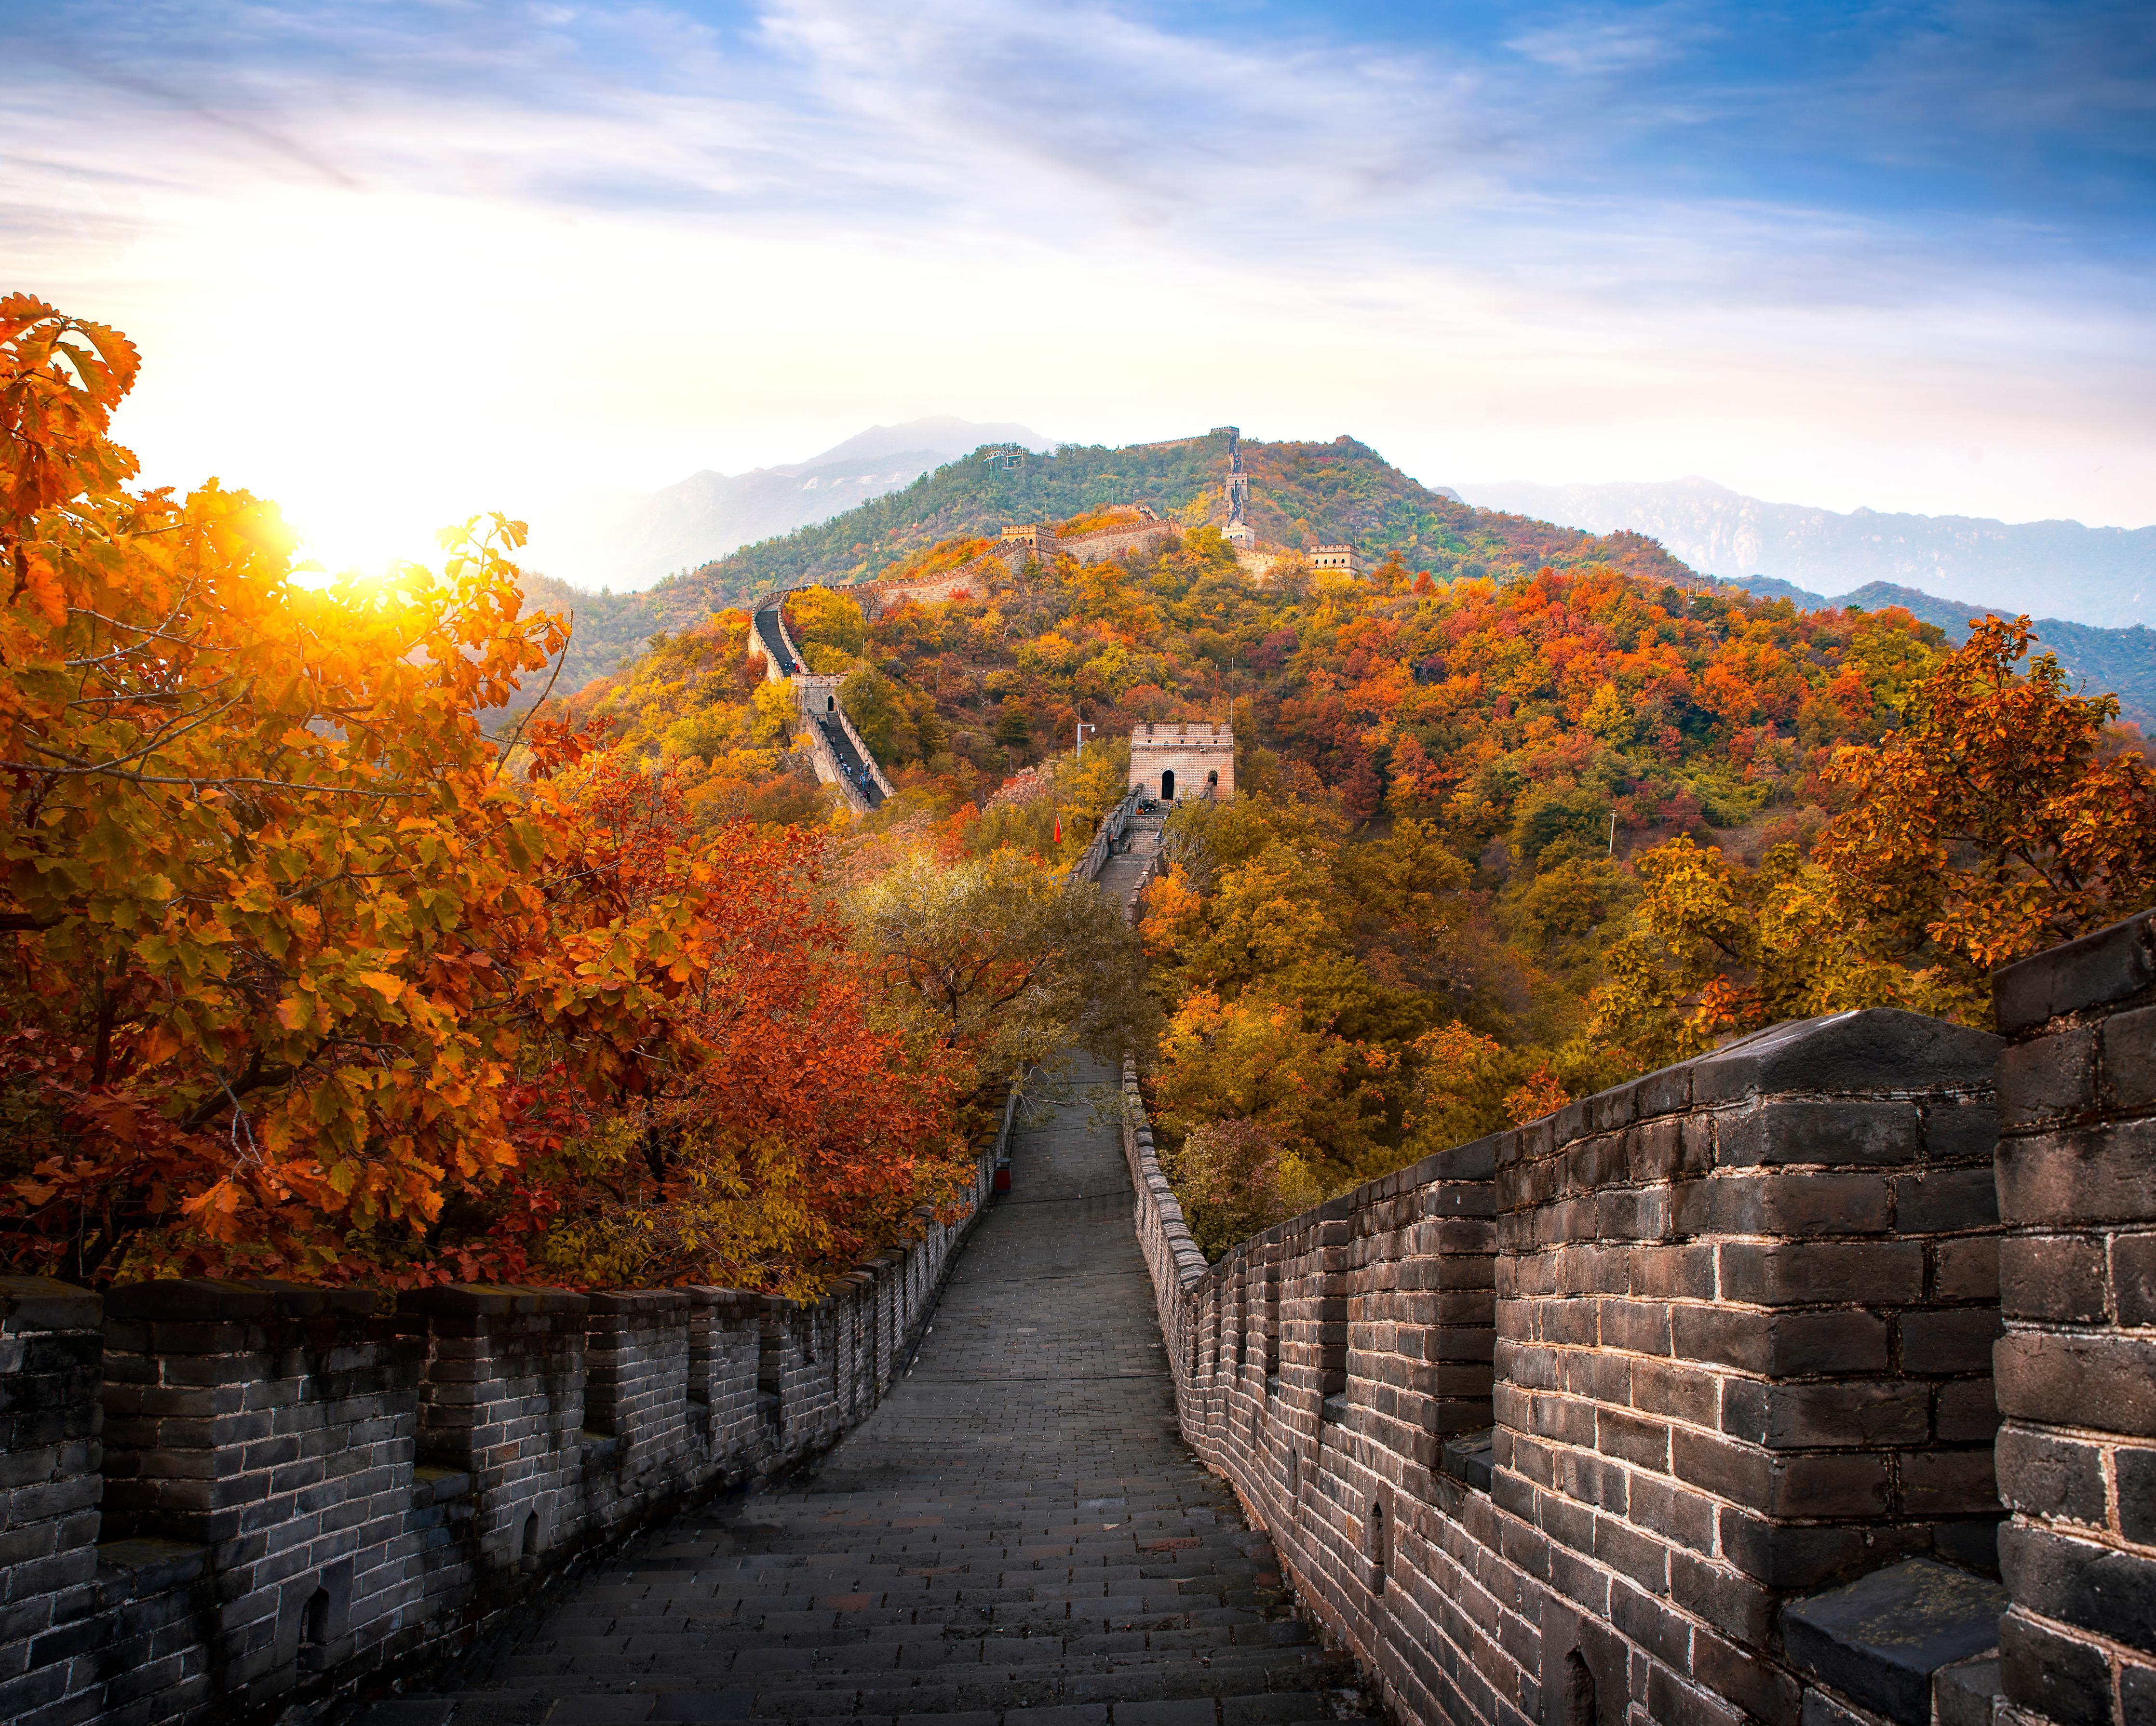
x=995 y=958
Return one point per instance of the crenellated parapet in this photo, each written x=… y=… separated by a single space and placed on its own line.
x=224 y=1496
x=2078 y=1364
x=1679 y=1404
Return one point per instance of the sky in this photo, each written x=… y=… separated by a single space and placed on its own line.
x=393 y=262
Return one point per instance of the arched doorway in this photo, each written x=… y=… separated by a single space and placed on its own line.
x=1168 y=786
x=831 y=703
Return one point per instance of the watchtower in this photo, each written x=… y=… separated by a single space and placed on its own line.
x=1183 y=760
x=1238 y=531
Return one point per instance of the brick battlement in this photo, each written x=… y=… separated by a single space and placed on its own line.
x=224 y=1496
x=1678 y=1405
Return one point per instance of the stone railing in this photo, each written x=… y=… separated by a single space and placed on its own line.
x=861 y=749
x=224 y=1496
x=1678 y=1405
x=1102 y=845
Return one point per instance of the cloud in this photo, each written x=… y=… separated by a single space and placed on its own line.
x=659 y=222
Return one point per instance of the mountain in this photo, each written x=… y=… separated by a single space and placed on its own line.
x=2123 y=661
x=1302 y=495
x=2102 y=575
x=619 y=538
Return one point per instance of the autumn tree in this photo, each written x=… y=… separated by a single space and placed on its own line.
x=273 y=933
x=794 y=1134
x=1002 y=963
x=300 y=980
x=1235 y=1179
x=2004 y=815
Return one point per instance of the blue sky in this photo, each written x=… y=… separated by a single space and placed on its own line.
x=391 y=262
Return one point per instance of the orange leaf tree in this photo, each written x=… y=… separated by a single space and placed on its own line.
x=2003 y=816
x=779 y=1131
x=285 y=946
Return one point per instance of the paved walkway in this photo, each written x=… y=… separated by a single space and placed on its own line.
x=1120 y=872
x=1016 y=1537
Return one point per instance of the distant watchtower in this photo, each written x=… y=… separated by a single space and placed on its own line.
x=1183 y=760
x=1238 y=530
x=1037 y=536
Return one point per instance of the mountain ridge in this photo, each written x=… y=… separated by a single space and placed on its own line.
x=621 y=538
x=2121 y=661
x=1302 y=495
x=1727 y=533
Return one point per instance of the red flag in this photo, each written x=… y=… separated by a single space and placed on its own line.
x=1059 y=827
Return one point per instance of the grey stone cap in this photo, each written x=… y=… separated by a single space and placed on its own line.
x=2108 y=965
x=624 y=1302
x=41 y=1303
x=1879 y=1639
x=1469 y=1457
x=433 y=1485
x=130 y=1570
x=492 y=1300
x=1878 y=1049
x=200 y=1300
x=740 y=1303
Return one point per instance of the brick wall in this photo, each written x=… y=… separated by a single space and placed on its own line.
x=1629 y=1414
x=221 y=1496
x=2078 y=1364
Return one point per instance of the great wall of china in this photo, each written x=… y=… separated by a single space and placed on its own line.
x=1811 y=1382
x=837 y=752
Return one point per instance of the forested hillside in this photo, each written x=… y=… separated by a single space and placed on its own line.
x=312 y=974
x=1473 y=816
x=2122 y=662
x=1302 y=495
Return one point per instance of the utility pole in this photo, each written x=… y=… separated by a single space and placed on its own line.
x=1612 y=851
x=1083 y=727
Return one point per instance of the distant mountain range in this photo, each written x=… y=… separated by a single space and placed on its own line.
x=2123 y=661
x=625 y=539
x=2104 y=575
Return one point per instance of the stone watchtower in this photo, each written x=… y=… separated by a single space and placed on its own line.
x=1183 y=760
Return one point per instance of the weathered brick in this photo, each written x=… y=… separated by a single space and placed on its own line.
x=2049 y=1077
x=2060 y=1380
x=2082 y=1582
x=2055 y=1677
x=1948 y=1340
x=2055 y=1277
x=2086 y=1175
x=1809 y=1272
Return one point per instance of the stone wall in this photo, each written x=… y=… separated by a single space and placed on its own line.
x=877 y=598
x=1678 y=1405
x=2077 y=1366
x=221 y=1496
x=1117 y=541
